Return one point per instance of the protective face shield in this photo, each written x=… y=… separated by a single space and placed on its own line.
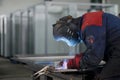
x=64 y=30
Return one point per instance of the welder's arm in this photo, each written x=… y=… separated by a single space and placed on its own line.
x=95 y=41
x=75 y=62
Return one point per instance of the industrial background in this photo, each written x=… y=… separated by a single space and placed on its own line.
x=26 y=40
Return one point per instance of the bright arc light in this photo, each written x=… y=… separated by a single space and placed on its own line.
x=69 y=42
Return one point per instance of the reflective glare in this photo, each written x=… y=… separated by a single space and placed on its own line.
x=69 y=42
x=64 y=66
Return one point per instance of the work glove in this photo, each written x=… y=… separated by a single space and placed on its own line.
x=70 y=63
x=75 y=62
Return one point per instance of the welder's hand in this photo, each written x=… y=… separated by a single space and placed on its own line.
x=71 y=63
x=75 y=62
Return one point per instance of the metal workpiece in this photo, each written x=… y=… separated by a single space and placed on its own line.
x=43 y=68
x=69 y=74
x=44 y=58
x=51 y=73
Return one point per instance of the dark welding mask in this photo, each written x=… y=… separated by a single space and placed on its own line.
x=66 y=31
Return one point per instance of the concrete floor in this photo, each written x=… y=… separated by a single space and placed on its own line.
x=10 y=71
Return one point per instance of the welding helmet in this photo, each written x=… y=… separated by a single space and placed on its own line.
x=65 y=30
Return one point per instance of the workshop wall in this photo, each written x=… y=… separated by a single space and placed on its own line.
x=7 y=6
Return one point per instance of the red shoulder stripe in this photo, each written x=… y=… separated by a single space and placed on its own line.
x=92 y=18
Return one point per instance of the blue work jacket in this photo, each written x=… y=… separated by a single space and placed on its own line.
x=101 y=35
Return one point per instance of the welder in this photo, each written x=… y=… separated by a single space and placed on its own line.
x=100 y=32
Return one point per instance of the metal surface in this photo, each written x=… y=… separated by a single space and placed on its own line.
x=68 y=74
x=45 y=58
x=12 y=71
x=42 y=73
x=55 y=75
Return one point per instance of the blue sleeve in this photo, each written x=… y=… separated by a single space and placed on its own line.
x=94 y=38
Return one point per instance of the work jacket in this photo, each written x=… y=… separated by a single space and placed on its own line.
x=101 y=35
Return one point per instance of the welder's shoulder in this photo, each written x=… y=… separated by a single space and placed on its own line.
x=92 y=19
x=112 y=19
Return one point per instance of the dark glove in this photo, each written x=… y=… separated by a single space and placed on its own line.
x=75 y=62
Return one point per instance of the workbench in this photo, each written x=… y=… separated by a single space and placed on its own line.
x=70 y=74
x=82 y=74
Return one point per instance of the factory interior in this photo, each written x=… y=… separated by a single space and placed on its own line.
x=27 y=44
